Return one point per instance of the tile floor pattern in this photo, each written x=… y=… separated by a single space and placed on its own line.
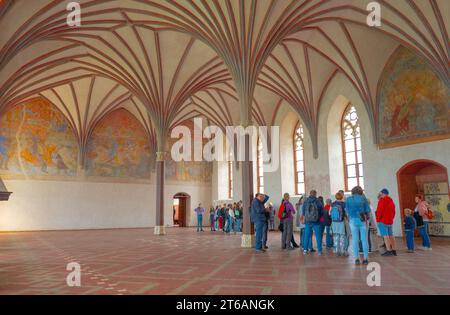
x=134 y=261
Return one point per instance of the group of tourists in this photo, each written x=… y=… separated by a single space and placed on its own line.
x=227 y=217
x=341 y=220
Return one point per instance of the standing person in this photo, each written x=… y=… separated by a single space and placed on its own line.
x=385 y=219
x=288 y=223
x=358 y=210
x=216 y=218
x=223 y=217
x=230 y=219
x=312 y=211
x=200 y=211
x=327 y=224
x=373 y=233
x=421 y=213
x=410 y=226
x=212 y=218
x=258 y=217
x=237 y=217
x=266 y=226
x=300 y=220
x=338 y=216
x=241 y=214
x=271 y=217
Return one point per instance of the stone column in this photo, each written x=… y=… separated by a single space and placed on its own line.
x=247 y=195
x=159 y=223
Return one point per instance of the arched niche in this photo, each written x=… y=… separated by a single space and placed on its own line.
x=119 y=148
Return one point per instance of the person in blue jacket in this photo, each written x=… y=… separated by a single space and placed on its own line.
x=357 y=208
x=258 y=217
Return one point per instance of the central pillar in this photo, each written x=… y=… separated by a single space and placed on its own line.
x=247 y=195
x=160 y=164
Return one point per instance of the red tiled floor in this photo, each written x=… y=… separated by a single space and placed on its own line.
x=134 y=261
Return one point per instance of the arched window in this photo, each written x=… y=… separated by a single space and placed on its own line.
x=351 y=145
x=299 y=160
x=260 y=167
x=230 y=179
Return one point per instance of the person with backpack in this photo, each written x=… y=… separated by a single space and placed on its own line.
x=326 y=224
x=288 y=223
x=312 y=211
x=258 y=217
x=358 y=210
x=385 y=219
x=337 y=214
x=422 y=214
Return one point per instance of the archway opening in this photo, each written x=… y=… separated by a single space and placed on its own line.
x=430 y=179
x=181 y=209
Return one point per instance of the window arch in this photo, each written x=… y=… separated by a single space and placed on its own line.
x=299 y=159
x=260 y=167
x=351 y=146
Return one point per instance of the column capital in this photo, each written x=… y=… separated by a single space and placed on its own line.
x=161 y=156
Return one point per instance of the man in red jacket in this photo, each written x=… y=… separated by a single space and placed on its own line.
x=385 y=218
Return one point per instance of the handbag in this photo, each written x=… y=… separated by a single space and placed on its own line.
x=419 y=219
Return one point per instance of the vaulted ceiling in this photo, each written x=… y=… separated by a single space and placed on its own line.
x=231 y=61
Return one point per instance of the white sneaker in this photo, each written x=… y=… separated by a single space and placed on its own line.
x=422 y=248
x=429 y=248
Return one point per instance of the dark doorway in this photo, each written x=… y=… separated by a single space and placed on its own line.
x=181 y=206
x=430 y=179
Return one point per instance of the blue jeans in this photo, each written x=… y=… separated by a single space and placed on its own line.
x=410 y=239
x=302 y=236
x=309 y=228
x=358 y=229
x=259 y=228
x=199 y=222
x=230 y=224
x=237 y=225
x=424 y=234
x=329 y=237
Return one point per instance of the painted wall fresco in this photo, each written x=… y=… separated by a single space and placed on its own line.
x=186 y=170
x=414 y=102
x=189 y=171
x=36 y=140
x=119 y=148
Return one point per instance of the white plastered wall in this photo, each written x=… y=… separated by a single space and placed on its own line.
x=71 y=205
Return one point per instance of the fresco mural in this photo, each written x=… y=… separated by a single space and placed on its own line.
x=189 y=171
x=414 y=102
x=37 y=140
x=119 y=147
